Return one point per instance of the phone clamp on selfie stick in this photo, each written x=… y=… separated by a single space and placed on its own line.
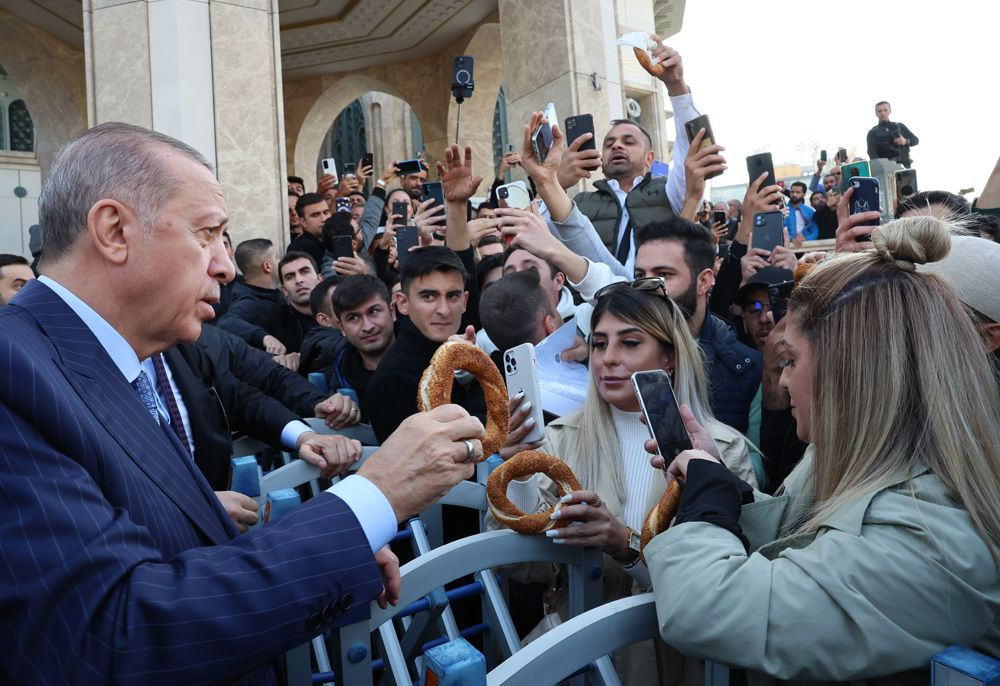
x=462 y=86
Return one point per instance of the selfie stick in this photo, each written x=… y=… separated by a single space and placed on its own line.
x=458 y=119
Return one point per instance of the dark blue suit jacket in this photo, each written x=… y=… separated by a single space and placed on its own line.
x=117 y=563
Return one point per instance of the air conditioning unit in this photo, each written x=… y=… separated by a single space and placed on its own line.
x=633 y=108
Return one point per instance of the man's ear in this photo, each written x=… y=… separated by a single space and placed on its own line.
x=706 y=279
x=403 y=303
x=465 y=300
x=991 y=334
x=111 y=227
x=559 y=280
x=549 y=324
x=650 y=156
x=324 y=320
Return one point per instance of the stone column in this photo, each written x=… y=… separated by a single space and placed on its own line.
x=206 y=72
x=552 y=51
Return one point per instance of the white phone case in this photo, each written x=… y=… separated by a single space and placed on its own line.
x=330 y=167
x=517 y=195
x=519 y=366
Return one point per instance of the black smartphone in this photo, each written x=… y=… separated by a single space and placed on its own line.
x=841 y=156
x=343 y=205
x=767 y=231
x=693 y=127
x=541 y=139
x=367 y=159
x=343 y=246
x=409 y=167
x=822 y=155
x=350 y=169
x=719 y=217
x=662 y=413
x=865 y=199
x=778 y=295
x=401 y=208
x=576 y=126
x=757 y=165
x=406 y=238
x=433 y=189
x=906 y=183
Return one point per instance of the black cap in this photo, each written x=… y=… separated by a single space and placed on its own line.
x=768 y=276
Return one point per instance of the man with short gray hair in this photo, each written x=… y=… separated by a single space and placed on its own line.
x=119 y=564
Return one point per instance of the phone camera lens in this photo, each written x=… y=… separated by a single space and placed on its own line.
x=503 y=193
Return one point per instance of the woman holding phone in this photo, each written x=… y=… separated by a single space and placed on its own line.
x=635 y=327
x=883 y=549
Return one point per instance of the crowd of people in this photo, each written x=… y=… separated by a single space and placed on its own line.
x=841 y=506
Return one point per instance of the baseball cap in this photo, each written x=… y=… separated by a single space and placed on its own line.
x=768 y=276
x=970 y=267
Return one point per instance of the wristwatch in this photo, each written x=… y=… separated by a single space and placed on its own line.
x=632 y=542
x=380 y=182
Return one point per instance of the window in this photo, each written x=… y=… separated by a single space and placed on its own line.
x=22 y=129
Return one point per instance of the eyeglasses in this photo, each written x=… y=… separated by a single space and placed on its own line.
x=647 y=284
x=756 y=306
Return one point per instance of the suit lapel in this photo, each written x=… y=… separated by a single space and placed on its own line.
x=101 y=386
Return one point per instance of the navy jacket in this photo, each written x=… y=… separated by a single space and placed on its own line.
x=118 y=564
x=734 y=373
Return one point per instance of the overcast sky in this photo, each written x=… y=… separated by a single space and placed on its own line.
x=772 y=79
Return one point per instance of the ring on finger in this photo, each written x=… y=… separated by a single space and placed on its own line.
x=470 y=450
x=598 y=502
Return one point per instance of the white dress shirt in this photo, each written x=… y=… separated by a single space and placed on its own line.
x=365 y=500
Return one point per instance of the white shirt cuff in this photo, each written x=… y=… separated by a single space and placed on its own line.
x=370 y=506
x=290 y=434
x=683 y=107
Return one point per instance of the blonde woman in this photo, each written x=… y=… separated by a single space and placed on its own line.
x=883 y=550
x=635 y=327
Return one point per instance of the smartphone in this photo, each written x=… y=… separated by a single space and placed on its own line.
x=841 y=156
x=519 y=367
x=697 y=124
x=343 y=205
x=719 y=217
x=350 y=169
x=343 y=246
x=515 y=195
x=433 y=190
x=406 y=238
x=541 y=139
x=778 y=295
x=767 y=231
x=401 y=208
x=510 y=148
x=576 y=126
x=906 y=182
x=409 y=167
x=663 y=415
x=330 y=167
x=822 y=155
x=367 y=159
x=758 y=164
x=865 y=199
x=852 y=170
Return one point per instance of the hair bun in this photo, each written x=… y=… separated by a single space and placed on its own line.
x=916 y=240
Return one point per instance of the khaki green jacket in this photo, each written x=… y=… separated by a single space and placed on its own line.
x=887 y=582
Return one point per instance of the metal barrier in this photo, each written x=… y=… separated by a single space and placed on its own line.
x=422 y=594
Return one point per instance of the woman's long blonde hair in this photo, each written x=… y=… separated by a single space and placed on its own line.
x=596 y=443
x=900 y=377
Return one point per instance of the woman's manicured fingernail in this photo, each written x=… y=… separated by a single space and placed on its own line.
x=552 y=533
x=559 y=540
x=529 y=422
x=527 y=406
x=566 y=498
x=520 y=394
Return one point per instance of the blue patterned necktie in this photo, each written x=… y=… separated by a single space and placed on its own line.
x=146 y=394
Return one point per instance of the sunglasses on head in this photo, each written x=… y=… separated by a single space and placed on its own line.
x=649 y=284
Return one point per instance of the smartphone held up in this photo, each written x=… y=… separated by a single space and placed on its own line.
x=662 y=412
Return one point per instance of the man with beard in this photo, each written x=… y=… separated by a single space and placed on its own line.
x=629 y=196
x=825 y=213
x=361 y=306
x=412 y=184
x=681 y=253
x=799 y=220
x=755 y=305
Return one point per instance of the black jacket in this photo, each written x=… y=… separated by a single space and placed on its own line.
x=392 y=391
x=256 y=368
x=318 y=349
x=348 y=371
x=310 y=245
x=250 y=307
x=881 y=142
x=218 y=403
x=733 y=370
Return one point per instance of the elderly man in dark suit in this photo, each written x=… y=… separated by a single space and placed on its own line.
x=118 y=565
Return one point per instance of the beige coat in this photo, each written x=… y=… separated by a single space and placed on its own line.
x=888 y=581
